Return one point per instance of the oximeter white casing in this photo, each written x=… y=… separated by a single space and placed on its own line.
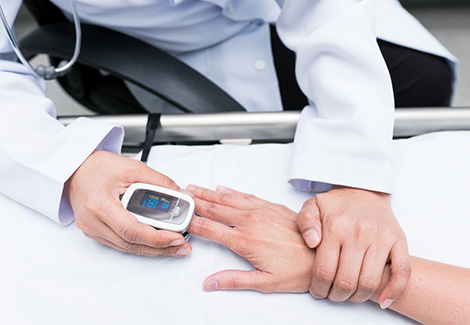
x=159 y=207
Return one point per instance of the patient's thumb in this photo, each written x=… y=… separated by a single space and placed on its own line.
x=235 y=280
x=309 y=223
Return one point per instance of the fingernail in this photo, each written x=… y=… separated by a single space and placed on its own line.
x=187 y=193
x=211 y=285
x=177 y=242
x=191 y=188
x=386 y=303
x=182 y=252
x=222 y=189
x=311 y=238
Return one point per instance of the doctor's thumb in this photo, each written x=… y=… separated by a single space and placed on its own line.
x=309 y=223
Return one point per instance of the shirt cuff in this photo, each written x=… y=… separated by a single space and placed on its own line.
x=319 y=174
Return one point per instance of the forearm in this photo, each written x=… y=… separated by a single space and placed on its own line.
x=321 y=35
x=436 y=293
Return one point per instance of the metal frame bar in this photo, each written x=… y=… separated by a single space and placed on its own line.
x=267 y=126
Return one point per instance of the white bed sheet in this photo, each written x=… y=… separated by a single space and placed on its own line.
x=50 y=274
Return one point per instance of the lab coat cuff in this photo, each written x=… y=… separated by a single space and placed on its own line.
x=319 y=174
x=99 y=136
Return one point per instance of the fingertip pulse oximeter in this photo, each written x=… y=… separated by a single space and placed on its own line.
x=159 y=207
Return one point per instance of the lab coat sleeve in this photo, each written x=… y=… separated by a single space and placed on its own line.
x=37 y=153
x=344 y=136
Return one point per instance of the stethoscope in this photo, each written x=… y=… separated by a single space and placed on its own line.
x=43 y=71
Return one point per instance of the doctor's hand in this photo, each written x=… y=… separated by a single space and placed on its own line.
x=262 y=232
x=93 y=192
x=357 y=234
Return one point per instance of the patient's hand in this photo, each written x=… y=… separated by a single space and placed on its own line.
x=93 y=192
x=359 y=235
x=262 y=232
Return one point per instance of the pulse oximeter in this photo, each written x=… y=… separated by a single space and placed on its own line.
x=159 y=207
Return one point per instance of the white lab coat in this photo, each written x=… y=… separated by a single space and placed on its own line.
x=343 y=137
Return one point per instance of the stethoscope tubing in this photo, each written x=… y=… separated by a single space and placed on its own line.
x=47 y=72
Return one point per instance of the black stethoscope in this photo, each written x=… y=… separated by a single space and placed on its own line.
x=43 y=71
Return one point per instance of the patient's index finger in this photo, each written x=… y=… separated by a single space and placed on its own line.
x=246 y=196
x=229 y=198
x=214 y=231
x=216 y=212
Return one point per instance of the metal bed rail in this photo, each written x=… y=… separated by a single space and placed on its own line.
x=245 y=127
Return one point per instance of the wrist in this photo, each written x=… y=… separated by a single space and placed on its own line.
x=70 y=182
x=359 y=190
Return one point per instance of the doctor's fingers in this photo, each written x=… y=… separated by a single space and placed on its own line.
x=309 y=223
x=141 y=173
x=372 y=270
x=325 y=267
x=129 y=229
x=348 y=273
x=117 y=243
x=400 y=274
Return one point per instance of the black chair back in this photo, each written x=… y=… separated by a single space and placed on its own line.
x=120 y=57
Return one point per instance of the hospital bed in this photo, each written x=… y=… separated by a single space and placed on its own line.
x=51 y=274
x=262 y=127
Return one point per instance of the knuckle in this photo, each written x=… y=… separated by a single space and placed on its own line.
x=362 y=228
x=346 y=284
x=202 y=225
x=333 y=225
x=307 y=210
x=403 y=269
x=164 y=252
x=357 y=300
x=324 y=275
x=315 y=292
x=133 y=248
x=130 y=235
x=249 y=197
x=224 y=198
x=234 y=281
x=368 y=285
x=255 y=215
x=210 y=210
x=167 y=182
x=304 y=216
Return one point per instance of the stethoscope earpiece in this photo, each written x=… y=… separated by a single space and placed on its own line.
x=49 y=72
x=45 y=71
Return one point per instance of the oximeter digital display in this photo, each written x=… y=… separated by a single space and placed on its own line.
x=159 y=207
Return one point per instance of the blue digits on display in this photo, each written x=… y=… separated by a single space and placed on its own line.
x=156 y=202
x=152 y=203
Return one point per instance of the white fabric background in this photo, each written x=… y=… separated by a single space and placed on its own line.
x=51 y=274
